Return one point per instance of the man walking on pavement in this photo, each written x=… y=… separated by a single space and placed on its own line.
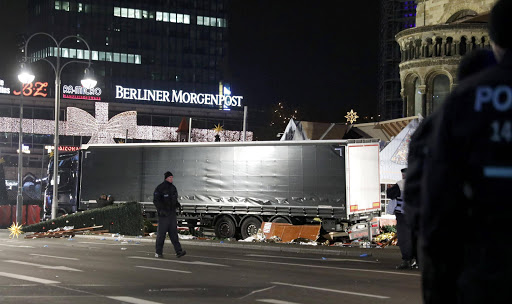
x=468 y=179
x=404 y=233
x=165 y=198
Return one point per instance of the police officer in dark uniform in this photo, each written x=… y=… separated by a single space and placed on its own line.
x=165 y=198
x=472 y=63
x=465 y=210
x=403 y=229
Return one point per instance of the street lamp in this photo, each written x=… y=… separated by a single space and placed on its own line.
x=25 y=76
x=88 y=82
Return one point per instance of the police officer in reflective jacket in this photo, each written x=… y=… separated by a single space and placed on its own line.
x=165 y=198
x=465 y=209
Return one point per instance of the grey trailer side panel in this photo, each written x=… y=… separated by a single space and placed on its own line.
x=237 y=175
x=112 y=171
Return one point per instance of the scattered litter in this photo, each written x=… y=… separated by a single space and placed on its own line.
x=124 y=242
x=45 y=246
x=70 y=239
x=186 y=237
x=65 y=231
x=124 y=248
x=102 y=239
x=364 y=255
x=323 y=258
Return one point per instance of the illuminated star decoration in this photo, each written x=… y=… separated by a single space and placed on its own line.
x=15 y=230
x=351 y=116
x=218 y=128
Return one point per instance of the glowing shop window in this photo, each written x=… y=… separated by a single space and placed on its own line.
x=117 y=58
x=94 y=55
x=124 y=12
x=108 y=56
x=180 y=18
x=159 y=16
x=145 y=14
x=80 y=54
x=137 y=59
x=57 y=5
x=166 y=17
x=65 y=6
x=200 y=20
x=101 y=56
x=186 y=19
x=64 y=52
x=72 y=53
x=124 y=58
x=138 y=14
x=131 y=58
x=173 y=17
x=86 y=54
x=117 y=11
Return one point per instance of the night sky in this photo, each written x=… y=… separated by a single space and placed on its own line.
x=318 y=56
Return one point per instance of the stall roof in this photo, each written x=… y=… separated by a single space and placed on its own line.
x=307 y=130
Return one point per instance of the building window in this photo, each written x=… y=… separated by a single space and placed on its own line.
x=441 y=89
x=211 y=21
x=84 y=54
x=62 y=6
x=418 y=104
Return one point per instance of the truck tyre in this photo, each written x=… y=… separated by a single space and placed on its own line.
x=250 y=227
x=225 y=227
x=281 y=219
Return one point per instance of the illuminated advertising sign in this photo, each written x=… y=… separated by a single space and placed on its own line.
x=175 y=96
x=68 y=148
x=4 y=90
x=38 y=89
x=79 y=92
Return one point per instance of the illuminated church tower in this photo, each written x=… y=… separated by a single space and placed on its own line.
x=445 y=31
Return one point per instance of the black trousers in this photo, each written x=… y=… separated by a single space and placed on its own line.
x=167 y=224
x=405 y=238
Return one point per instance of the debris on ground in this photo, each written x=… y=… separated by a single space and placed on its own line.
x=65 y=231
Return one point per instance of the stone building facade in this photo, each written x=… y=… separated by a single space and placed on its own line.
x=445 y=31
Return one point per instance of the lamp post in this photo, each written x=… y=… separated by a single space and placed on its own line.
x=88 y=82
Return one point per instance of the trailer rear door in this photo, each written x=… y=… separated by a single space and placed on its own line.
x=363 y=178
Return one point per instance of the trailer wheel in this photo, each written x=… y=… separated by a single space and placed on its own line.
x=250 y=227
x=281 y=219
x=225 y=227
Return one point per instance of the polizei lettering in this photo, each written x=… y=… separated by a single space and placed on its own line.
x=175 y=96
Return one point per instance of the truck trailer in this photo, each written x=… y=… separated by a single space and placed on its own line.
x=231 y=187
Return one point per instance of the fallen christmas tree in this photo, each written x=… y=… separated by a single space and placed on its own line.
x=123 y=218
